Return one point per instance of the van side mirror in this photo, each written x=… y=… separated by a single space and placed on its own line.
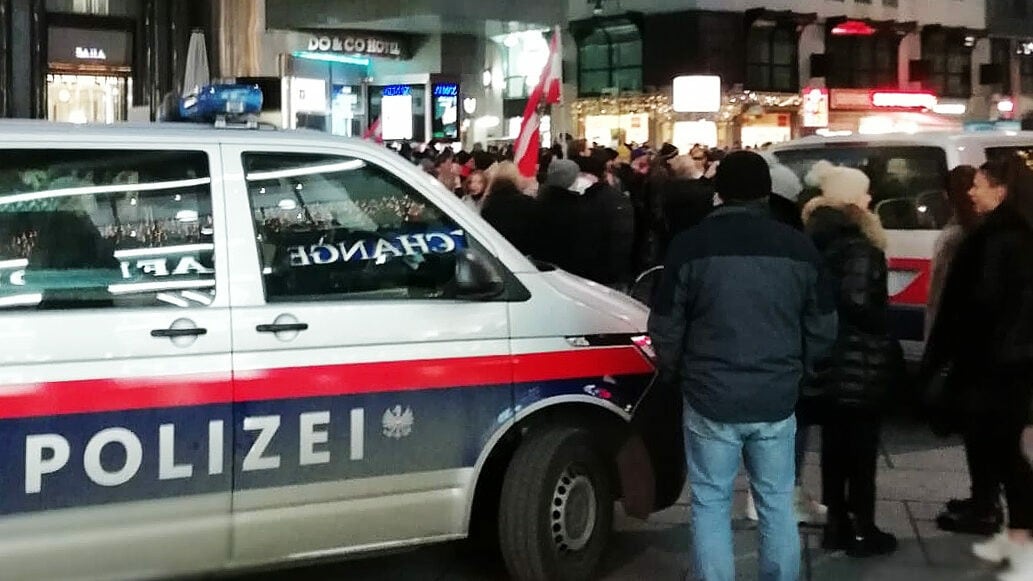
x=477 y=278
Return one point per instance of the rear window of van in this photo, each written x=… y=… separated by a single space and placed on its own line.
x=908 y=182
x=1023 y=151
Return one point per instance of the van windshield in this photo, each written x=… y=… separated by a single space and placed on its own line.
x=908 y=182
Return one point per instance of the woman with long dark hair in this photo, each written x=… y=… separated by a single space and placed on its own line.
x=984 y=335
x=981 y=514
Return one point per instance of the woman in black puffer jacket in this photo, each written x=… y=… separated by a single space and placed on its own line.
x=856 y=379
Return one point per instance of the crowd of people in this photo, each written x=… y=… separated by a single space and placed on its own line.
x=772 y=315
x=770 y=320
x=606 y=214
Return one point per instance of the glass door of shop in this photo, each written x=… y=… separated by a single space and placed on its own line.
x=79 y=98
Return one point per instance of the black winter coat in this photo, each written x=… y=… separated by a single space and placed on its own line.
x=513 y=214
x=590 y=235
x=615 y=213
x=984 y=327
x=685 y=203
x=865 y=361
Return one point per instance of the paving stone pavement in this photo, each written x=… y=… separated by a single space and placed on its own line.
x=917 y=473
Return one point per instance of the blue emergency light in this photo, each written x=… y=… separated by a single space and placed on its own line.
x=214 y=101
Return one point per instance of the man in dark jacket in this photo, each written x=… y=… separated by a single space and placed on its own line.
x=584 y=233
x=511 y=212
x=741 y=313
x=613 y=212
x=686 y=202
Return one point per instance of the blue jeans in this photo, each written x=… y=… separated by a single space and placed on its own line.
x=714 y=450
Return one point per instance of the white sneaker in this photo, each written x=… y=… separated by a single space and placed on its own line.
x=996 y=549
x=751 y=507
x=1021 y=559
x=808 y=510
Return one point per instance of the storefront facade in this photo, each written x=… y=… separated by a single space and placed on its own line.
x=627 y=62
x=1010 y=25
x=93 y=60
x=772 y=54
x=437 y=72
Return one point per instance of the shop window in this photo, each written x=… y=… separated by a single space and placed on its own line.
x=336 y=228
x=772 y=58
x=951 y=60
x=86 y=229
x=862 y=61
x=95 y=7
x=1000 y=56
x=610 y=58
x=1026 y=73
x=526 y=54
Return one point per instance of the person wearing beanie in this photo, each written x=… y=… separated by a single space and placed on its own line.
x=784 y=182
x=562 y=174
x=739 y=315
x=857 y=378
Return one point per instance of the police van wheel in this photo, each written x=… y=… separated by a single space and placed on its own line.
x=556 y=509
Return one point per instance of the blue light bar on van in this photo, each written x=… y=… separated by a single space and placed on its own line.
x=981 y=126
x=331 y=57
x=215 y=100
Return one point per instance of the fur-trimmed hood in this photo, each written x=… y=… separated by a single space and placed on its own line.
x=826 y=219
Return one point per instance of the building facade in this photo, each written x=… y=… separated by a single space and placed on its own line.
x=1010 y=27
x=787 y=67
x=93 y=60
x=425 y=69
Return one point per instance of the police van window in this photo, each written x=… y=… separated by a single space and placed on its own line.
x=908 y=183
x=337 y=227
x=1023 y=151
x=105 y=228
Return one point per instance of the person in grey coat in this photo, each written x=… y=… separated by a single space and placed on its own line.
x=742 y=312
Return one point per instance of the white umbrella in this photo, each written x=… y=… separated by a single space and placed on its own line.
x=196 y=74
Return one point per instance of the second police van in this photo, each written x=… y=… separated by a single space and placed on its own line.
x=908 y=175
x=228 y=349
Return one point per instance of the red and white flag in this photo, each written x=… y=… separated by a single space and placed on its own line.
x=375 y=132
x=549 y=91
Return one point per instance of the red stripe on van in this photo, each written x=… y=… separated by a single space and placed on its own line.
x=107 y=395
x=917 y=292
x=394 y=376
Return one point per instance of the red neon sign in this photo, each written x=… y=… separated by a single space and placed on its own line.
x=904 y=99
x=853 y=28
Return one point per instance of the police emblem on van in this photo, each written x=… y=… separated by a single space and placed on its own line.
x=397 y=422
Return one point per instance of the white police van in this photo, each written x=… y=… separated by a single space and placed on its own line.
x=228 y=349
x=909 y=177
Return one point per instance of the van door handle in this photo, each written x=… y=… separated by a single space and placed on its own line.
x=193 y=332
x=282 y=327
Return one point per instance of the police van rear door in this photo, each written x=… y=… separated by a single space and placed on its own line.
x=115 y=367
x=365 y=391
